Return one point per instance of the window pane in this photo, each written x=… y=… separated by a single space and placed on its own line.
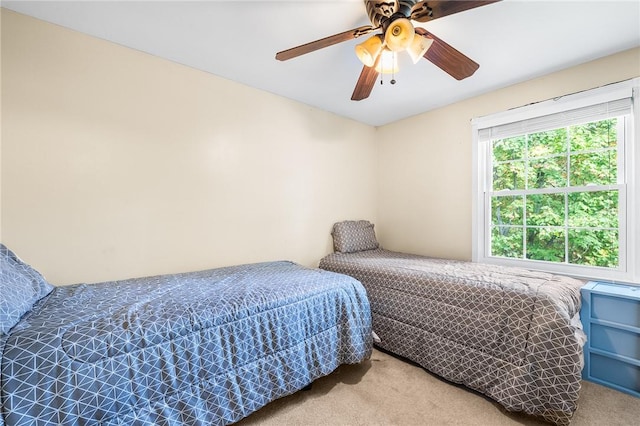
x=548 y=173
x=598 y=209
x=594 y=135
x=594 y=247
x=545 y=244
x=506 y=241
x=597 y=168
x=508 y=176
x=547 y=143
x=508 y=149
x=507 y=210
x=545 y=210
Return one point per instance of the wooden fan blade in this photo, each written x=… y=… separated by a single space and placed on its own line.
x=447 y=58
x=428 y=10
x=365 y=83
x=323 y=42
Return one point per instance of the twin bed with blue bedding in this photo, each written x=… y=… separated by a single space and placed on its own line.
x=197 y=348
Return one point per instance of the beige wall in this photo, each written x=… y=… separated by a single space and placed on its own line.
x=425 y=165
x=118 y=164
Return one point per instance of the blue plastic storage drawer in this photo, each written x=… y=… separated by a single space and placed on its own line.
x=610 y=315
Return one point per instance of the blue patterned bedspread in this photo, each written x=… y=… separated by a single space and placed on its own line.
x=198 y=348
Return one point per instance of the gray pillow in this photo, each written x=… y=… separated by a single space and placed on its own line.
x=20 y=286
x=354 y=235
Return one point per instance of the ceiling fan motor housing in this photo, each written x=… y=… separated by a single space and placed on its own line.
x=382 y=13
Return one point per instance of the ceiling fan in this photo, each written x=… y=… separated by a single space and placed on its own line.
x=393 y=19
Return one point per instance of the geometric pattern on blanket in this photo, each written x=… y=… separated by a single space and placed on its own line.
x=509 y=333
x=200 y=348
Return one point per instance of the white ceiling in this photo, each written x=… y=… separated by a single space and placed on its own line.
x=513 y=41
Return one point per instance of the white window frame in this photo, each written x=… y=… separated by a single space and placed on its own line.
x=629 y=269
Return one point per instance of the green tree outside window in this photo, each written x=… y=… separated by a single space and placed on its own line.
x=561 y=212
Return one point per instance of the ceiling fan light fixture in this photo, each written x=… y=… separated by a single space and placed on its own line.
x=388 y=63
x=393 y=19
x=368 y=50
x=419 y=47
x=399 y=34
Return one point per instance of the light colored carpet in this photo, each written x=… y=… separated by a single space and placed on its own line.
x=386 y=390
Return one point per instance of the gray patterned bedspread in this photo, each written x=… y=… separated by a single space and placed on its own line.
x=509 y=333
x=198 y=348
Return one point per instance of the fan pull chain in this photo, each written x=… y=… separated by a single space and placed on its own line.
x=393 y=69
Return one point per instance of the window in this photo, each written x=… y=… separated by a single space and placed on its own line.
x=555 y=188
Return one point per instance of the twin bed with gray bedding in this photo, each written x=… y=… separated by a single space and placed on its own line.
x=511 y=334
x=200 y=348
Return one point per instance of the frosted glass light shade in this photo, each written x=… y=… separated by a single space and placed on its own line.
x=419 y=47
x=368 y=50
x=388 y=63
x=399 y=35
